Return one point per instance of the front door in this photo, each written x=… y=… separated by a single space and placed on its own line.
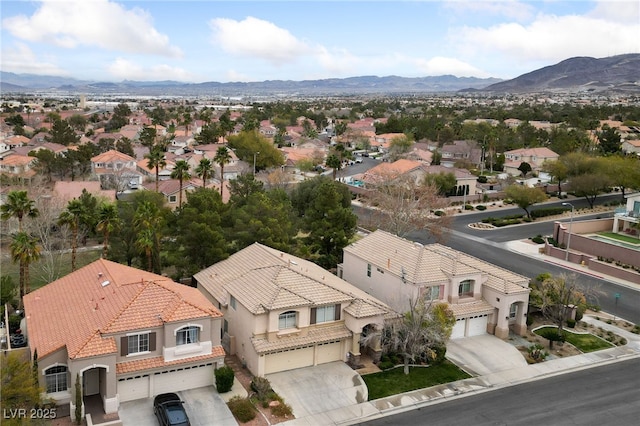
x=91 y=382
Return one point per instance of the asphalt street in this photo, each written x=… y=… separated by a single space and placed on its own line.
x=605 y=395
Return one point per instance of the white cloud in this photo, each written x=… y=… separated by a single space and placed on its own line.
x=617 y=11
x=99 y=23
x=257 y=38
x=126 y=70
x=439 y=65
x=20 y=59
x=550 y=38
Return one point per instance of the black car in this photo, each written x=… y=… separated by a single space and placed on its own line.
x=169 y=410
x=18 y=341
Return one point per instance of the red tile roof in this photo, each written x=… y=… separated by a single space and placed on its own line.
x=80 y=309
x=158 y=362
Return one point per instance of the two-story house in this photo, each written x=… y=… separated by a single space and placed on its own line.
x=483 y=297
x=125 y=333
x=283 y=312
x=115 y=169
x=534 y=156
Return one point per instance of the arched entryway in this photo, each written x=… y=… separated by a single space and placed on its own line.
x=94 y=388
x=370 y=342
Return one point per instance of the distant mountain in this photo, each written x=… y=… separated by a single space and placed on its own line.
x=619 y=73
x=335 y=86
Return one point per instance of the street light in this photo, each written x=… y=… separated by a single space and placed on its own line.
x=566 y=255
x=255 y=154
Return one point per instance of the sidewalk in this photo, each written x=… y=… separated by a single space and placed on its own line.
x=423 y=397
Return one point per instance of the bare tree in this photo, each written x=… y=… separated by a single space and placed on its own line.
x=53 y=239
x=404 y=205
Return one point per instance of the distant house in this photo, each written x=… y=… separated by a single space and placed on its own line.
x=461 y=152
x=65 y=190
x=483 y=297
x=283 y=312
x=385 y=172
x=20 y=166
x=631 y=146
x=127 y=334
x=115 y=170
x=534 y=156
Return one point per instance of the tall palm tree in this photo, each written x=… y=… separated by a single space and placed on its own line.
x=156 y=160
x=73 y=216
x=145 y=241
x=204 y=170
x=181 y=172
x=108 y=222
x=222 y=157
x=148 y=221
x=18 y=205
x=24 y=251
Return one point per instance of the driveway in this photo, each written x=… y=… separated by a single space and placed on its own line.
x=318 y=389
x=482 y=355
x=204 y=407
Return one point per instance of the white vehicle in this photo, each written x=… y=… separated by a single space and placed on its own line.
x=358 y=159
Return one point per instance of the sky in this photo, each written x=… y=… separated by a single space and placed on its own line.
x=243 y=41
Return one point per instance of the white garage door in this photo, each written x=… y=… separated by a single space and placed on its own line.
x=179 y=379
x=133 y=388
x=477 y=325
x=329 y=352
x=288 y=360
x=458 y=329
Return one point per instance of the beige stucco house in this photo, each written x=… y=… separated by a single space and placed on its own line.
x=483 y=297
x=534 y=156
x=283 y=312
x=128 y=334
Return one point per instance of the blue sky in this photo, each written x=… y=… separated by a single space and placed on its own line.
x=210 y=40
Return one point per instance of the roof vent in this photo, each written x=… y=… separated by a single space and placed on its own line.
x=99 y=274
x=105 y=283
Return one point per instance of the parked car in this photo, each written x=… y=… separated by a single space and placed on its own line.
x=359 y=159
x=169 y=410
x=18 y=341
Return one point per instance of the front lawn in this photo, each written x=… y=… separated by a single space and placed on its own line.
x=621 y=237
x=394 y=381
x=583 y=342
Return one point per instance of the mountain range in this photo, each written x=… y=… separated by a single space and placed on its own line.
x=615 y=74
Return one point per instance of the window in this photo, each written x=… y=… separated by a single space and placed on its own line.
x=325 y=314
x=232 y=302
x=513 y=309
x=433 y=293
x=287 y=320
x=56 y=379
x=138 y=343
x=465 y=288
x=368 y=269
x=173 y=198
x=187 y=335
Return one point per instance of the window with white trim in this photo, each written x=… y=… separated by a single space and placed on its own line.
x=287 y=320
x=56 y=379
x=465 y=288
x=186 y=335
x=173 y=198
x=325 y=313
x=138 y=343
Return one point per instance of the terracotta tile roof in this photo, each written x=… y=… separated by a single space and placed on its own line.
x=389 y=171
x=78 y=310
x=541 y=152
x=158 y=362
x=263 y=279
x=68 y=190
x=315 y=336
x=431 y=264
x=110 y=156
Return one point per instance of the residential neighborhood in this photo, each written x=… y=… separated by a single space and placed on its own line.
x=151 y=244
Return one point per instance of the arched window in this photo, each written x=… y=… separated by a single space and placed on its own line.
x=287 y=320
x=465 y=288
x=186 y=335
x=56 y=378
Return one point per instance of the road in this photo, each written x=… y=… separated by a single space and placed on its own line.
x=596 y=396
x=489 y=246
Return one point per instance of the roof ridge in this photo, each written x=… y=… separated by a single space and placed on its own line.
x=127 y=305
x=83 y=345
x=179 y=298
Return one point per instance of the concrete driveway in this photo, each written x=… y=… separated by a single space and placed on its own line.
x=482 y=355
x=204 y=407
x=318 y=389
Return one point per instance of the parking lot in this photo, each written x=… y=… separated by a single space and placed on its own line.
x=204 y=407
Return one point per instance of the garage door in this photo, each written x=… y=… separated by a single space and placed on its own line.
x=329 y=352
x=477 y=325
x=458 y=329
x=179 y=379
x=288 y=360
x=133 y=388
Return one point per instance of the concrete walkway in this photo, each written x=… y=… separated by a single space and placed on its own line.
x=515 y=374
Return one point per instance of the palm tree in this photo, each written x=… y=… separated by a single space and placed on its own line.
x=72 y=217
x=181 y=172
x=222 y=157
x=24 y=251
x=146 y=242
x=156 y=160
x=18 y=205
x=204 y=170
x=148 y=221
x=108 y=222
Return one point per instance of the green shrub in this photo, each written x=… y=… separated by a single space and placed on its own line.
x=441 y=352
x=224 y=379
x=242 y=409
x=548 y=211
x=571 y=323
x=538 y=239
x=282 y=409
x=468 y=207
x=529 y=320
x=262 y=387
x=439 y=213
x=385 y=365
x=536 y=353
x=482 y=179
x=481 y=207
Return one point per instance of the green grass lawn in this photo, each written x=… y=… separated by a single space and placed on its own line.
x=621 y=237
x=36 y=275
x=584 y=342
x=394 y=381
